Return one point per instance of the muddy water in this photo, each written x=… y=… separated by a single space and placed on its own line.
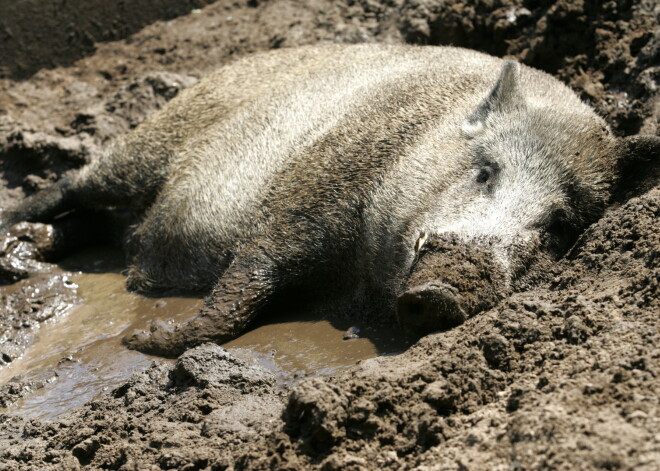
x=82 y=353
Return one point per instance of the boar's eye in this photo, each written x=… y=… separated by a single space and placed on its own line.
x=484 y=174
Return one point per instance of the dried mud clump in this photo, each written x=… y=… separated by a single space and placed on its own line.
x=189 y=415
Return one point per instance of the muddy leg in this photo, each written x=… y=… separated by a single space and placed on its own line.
x=240 y=294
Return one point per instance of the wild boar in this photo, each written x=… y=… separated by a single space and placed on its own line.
x=324 y=169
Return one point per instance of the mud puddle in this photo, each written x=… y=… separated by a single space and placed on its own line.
x=79 y=354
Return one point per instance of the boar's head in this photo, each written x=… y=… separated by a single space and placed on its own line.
x=537 y=176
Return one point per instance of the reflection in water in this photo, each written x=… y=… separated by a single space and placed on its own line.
x=83 y=348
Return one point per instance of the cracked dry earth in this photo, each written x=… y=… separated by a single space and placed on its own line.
x=561 y=376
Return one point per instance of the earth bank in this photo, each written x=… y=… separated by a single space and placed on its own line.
x=564 y=376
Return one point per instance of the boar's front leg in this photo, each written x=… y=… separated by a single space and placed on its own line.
x=242 y=291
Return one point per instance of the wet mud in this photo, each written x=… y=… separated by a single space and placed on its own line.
x=80 y=354
x=561 y=375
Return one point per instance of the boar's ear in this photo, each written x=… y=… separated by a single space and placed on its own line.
x=505 y=96
x=638 y=166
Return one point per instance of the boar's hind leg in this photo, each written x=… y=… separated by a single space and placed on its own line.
x=242 y=291
x=24 y=238
x=127 y=175
x=39 y=207
x=26 y=244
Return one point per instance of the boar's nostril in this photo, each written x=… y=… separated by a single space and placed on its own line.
x=430 y=307
x=414 y=308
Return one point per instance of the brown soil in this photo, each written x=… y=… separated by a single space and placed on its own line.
x=562 y=376
x=40 y=34
x=187 y=415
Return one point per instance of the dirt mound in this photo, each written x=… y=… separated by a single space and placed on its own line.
x=195 y=412
x=563 y=376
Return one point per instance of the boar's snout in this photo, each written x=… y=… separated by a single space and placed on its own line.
x=450 y=281
x=429 y=307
